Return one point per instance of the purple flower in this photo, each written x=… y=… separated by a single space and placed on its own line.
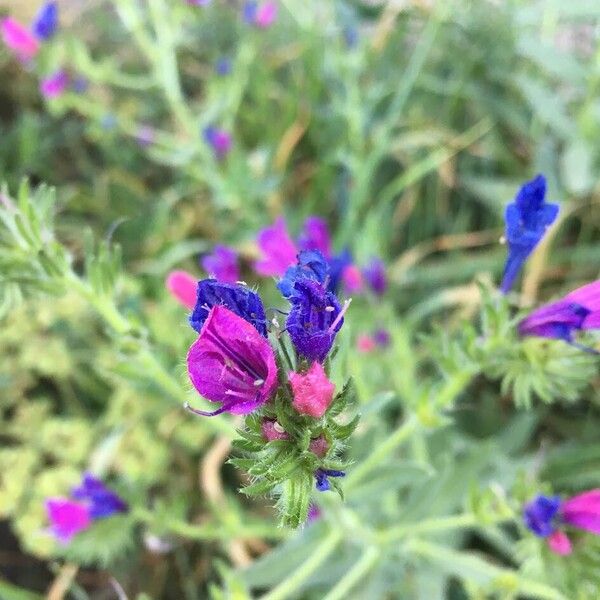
x=102 y=502
x=322 y=475
x=583 y=511
x=54 y=86
x=80 y=84
x=277 y=249
x=238 y=298
x=351 y=36
x=314 y=320
x=374 y=273
x=545 y=515
x=67 y=518
x=314 y=513
x=145 y=136
x=352 y=279
x=231 y=363
x=539 y=515
x=222 y=264
x=311 y=265
x=89 y=501
x=382 y=338
x=46 y=21
x=578 y=310
x=199 y=2
x=315 y=236
x=219 y=140
x=19 y=39
x=527 y=219
x=223 y=66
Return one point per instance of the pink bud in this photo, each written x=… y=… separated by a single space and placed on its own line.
x=559 y=543
x=365 y=344
x=272 y=430
x=182 y=287
x=313 y=392
x=19 y=39
x=53 y=86
x=319 y=446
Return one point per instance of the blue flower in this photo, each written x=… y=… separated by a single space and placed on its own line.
x=102 y=501
x=539 y=515
x=238 y=298
x=527 y=219
x=314 y=320
x=223 y=66
x=321 y=478
x=311 y=265
x=46 y=21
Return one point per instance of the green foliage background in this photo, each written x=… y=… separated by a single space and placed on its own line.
x=410 y=143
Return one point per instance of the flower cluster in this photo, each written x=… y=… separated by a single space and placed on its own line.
x=89 y=501
x=260 y=14
x=279 y=254
x=278 y=377
x=546 y=516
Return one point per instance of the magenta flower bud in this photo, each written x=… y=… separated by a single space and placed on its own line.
x=319 y=446
x=559 y=543
x=219 y=140
x=277 y=249
x=67 y=518
x=315 y=236
x=272 y=430
x=583 y=511
x=231 y=363
x=222 y=264
x=19 y=39
x=352 y=279
x=182 y=286
x=313 y=392
x=314 y=513
x=54 y=86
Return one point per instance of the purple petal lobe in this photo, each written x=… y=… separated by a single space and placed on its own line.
x=277 y=249
x=67 y=518
x=315 y=236
x=583 y=511
x=222 y=264
x=232 y=363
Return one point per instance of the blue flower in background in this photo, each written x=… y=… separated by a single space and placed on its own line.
x=539 y=514
x=46 y=21
x=238 y=298
x=337 y=266
x=311 y=265
x=102 y=501
x=527 y=219
x=223 y=66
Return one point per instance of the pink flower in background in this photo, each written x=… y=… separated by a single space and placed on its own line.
x=222 y=264
x=182 y=286
x=54 y=86
x=313 y=392
x=352 y=279
x=277 y=248
x=219 y=140
x=19 y=39
x=365 y=343
x=67 y=518
x=231 y=363
x=559 y=543
x=266 y=14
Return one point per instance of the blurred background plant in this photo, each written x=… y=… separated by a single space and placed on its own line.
x=412 y=123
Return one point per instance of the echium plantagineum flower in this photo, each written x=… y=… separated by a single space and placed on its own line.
x=279 y=251
x=89 y=501
x=55 y=84
x=260 y=14
x=546 y=516
x=577 y=311
x=219 y=140
x=527 y=219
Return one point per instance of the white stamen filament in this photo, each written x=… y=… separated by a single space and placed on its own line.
x=341 y=315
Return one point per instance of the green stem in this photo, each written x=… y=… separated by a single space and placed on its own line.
x=382 y=450
x=302 y=573
x=427 y=526
x=460 y=563
x=353 y=576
